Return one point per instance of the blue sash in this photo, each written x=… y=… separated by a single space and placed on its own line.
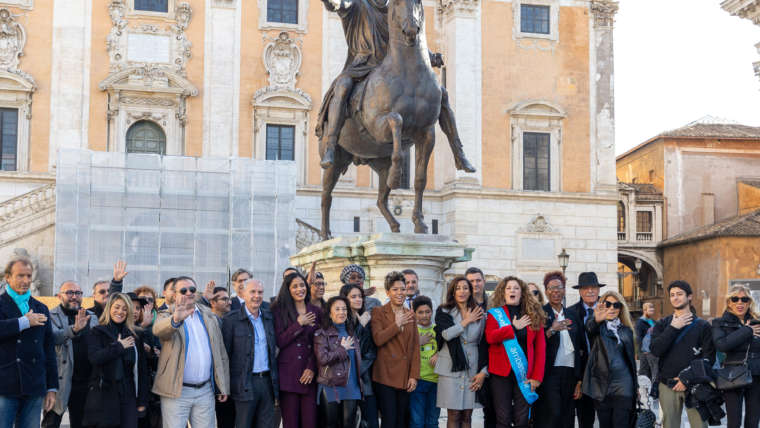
x=516 y=356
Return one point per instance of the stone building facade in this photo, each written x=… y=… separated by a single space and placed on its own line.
x=531 y=83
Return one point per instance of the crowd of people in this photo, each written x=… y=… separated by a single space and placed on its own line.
x=209 y=358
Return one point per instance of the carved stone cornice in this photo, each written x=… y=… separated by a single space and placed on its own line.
x=459 y=7
x=747 y=9
x=604 y=13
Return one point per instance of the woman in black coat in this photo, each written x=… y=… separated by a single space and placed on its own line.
x=119 y=384
x=737 y=334
x=610 y=377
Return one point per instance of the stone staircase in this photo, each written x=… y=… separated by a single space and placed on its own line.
x=27 y=214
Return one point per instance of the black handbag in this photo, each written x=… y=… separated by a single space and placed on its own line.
x=734 y=376
x=645 y=418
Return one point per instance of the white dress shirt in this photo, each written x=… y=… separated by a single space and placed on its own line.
x=566 y=351
x=198 y=353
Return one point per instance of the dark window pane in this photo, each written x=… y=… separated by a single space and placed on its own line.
x=643 y=221
x=536 y=173
x=152 y=5
x=280 y=142
x=534 y=19
x=146 y=137
x=9 y=136
x=285 y=11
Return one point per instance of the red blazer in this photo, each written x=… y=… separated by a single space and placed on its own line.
x=498 y=363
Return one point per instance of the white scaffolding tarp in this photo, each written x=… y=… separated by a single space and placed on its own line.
x=170 y=215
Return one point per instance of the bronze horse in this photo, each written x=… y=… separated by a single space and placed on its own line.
x=398 y=105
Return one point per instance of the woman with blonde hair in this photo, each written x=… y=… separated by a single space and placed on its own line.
x=737 y=334
x=610 y=376
x=119 y=383
x=516 y=351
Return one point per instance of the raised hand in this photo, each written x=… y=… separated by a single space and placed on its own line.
x=35 y=319
x=682 y=321
x=369 y=291
x=126 y=342
x=81 y=320
x=208 y=293
x=347 y=343
x=183 y=308
x=306 y=318
x=471 y=315
x=600 y=313
x=521 y=323
x=119 y=270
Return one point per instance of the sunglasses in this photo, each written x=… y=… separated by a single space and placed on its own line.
x=103 y=291
x=71 y=293
x=616 y=305
x=184 y=290
x=148 y=299
x=535 y=293
x=736 y=299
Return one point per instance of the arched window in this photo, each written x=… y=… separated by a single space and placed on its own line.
x=146 y=137
x=621 y=218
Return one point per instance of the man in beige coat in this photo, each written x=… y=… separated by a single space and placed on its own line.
x=193 y=366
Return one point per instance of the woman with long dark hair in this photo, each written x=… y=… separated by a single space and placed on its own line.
x=737 y=334
x=338 y=365
x=515 y=323
x=397 y=366
x=295 y=321
x=610 y=377
x=359 y=320
x=119 y=384
x=461 y=368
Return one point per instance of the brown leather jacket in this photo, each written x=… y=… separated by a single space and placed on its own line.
x=333 y=363
x=398 y=350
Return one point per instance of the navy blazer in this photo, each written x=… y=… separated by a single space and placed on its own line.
x=552 y=343
x=583 y=344
x=235 y=304
x=27 y=359
x=238 y=334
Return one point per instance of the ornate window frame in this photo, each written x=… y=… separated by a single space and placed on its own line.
x=537 y=116
x=147 y=93
x=169 y=14
x=301 y=27
x=553 y=20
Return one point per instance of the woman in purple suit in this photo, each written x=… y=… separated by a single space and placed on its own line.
x=295 y=322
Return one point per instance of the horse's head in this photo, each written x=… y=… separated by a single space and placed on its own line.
x=407 y=16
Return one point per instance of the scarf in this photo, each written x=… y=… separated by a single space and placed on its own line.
x=444 y=321
x=21 y=300
x=613 y=326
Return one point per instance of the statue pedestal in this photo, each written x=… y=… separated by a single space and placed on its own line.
x=428 y=255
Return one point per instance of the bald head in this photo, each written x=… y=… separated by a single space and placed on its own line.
x=253 y=294
x=70 y=295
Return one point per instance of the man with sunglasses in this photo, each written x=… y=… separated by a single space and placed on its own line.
x=677 y=340
x=195 y=361
x=71 y=323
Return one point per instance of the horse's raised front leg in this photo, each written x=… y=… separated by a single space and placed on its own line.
x=423 y=150
x=329 y=180
x=381 y=166
x=394 y=122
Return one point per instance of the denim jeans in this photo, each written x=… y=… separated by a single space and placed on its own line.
x=195 y=405
x=24 y=411
x=422 y=410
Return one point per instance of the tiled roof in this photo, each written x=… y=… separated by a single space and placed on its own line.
x=713 y=130
x=747 y=225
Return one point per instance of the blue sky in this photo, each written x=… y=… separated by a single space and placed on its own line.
x=677 y=61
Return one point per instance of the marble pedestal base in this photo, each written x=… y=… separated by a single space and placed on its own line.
x=428 y=255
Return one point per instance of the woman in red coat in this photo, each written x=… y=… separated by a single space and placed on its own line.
x=515 y=321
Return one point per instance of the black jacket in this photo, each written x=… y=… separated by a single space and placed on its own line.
x=239 y=340
x=596 y=378
x=552 y=342
x=28 y=363
x=583 y=345
x=696 y=343
x=733 y=338
x=109 y=374
x=235 y=304
x=369 y=354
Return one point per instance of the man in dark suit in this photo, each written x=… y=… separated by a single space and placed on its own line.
x=254 y=385
x=29 y=369
x=562 y=373
x=588 y=286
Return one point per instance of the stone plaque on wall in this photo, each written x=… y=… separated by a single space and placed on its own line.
x=148 y=48
x=538 y=249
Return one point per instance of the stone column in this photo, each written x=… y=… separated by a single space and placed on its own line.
x=602 y=96
x=747 y=9
x=462 y=55
x=70 y=75
x=221 y=86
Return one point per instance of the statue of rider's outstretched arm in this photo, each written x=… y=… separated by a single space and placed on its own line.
x=338 y=5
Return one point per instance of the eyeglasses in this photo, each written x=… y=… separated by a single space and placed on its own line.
x=71 y=293
x=184 y=290
x=102 y=291
x=148 y=299
x=223 y=299
x=616 y=305
x=555 y=288
x=736 y=299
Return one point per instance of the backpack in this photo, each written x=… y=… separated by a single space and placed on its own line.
x=647 y=340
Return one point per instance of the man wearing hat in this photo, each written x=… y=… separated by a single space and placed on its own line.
x=588 y=286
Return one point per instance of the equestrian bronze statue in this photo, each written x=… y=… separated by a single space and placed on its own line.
x=385 y=99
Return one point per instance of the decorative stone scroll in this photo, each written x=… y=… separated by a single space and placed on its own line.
x=12 y=40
